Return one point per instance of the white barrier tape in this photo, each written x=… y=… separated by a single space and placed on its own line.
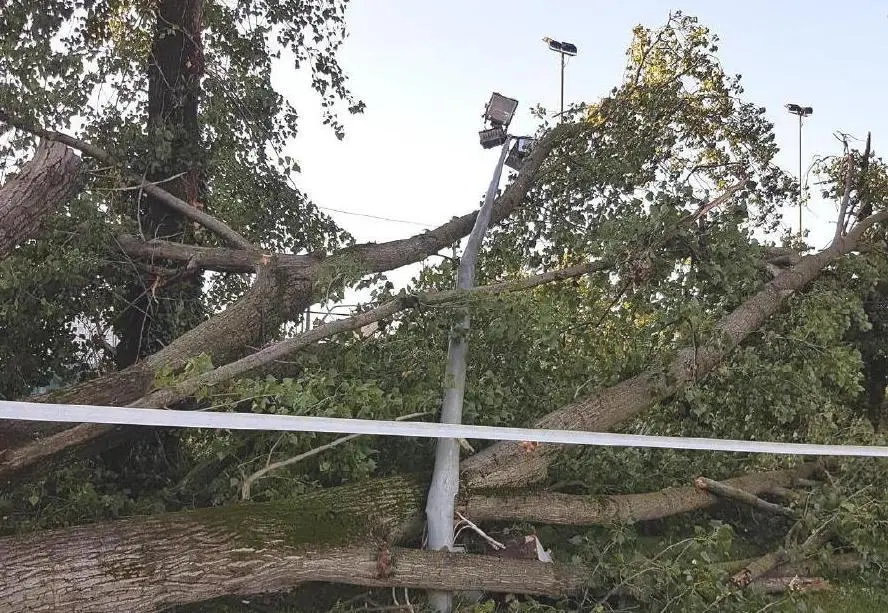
x=32 y=411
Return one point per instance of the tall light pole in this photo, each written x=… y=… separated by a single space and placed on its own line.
x=802 y=112
x=564 y=49
x=441 y=501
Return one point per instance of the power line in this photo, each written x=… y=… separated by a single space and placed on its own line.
x=405 y=221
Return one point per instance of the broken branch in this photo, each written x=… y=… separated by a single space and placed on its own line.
x=211 y=223
x=207 y=258
x=735 y=493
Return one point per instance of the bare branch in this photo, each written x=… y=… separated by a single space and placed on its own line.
x=865 y=205
x=842 y=221
x=703 y=210
x=739 y=494
x=778 y=585
x=207 y=258
x=177 y=204
x=250 y=480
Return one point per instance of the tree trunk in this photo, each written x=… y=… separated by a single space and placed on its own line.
x=155 y=315
x=44 y=183
x=341 y=535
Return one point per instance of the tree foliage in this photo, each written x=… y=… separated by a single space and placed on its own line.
x=634 y=184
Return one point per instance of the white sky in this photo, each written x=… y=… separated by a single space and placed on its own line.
x=426 y=69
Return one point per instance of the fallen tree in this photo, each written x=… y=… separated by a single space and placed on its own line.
x=510 y=464
x=600 y=246
x=348 y=535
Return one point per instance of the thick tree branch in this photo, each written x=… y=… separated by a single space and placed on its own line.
x=49 y=179
x=211 y=223
x=567 y=509
x=219 y=259
x=508 y=464
x=837 y=563
x=380 y=257
x=758 y=567
x=340 y=535
x=345 y=534
x=778 y=585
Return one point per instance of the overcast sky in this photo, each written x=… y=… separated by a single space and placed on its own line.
x=425 y=70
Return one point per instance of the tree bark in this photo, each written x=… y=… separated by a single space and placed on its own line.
x=154 y=316
x=573 y=510
x=345 y=534
x=341 y=535
x=44 y=183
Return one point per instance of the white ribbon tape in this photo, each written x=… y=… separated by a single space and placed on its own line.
x=70 y=413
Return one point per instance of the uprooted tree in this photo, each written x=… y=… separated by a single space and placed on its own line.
x=160 y=255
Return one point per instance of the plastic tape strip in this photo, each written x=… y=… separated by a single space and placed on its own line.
x=69 y=413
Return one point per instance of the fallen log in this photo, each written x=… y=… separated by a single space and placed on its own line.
x=347 y=534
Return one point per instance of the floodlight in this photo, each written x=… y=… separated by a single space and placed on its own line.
x=500 y=110
x=492 y=137
x=801 y=111
x=560 y=46
x=520 y=151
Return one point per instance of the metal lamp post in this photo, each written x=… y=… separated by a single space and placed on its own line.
x=564 y=49
x=802 y=112
x=440 y=505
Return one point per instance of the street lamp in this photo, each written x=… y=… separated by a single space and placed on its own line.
x=500 y=110
x=802 y=112
x=441 y=501
x=499 y=113
x=564 y=49
x=492 y=137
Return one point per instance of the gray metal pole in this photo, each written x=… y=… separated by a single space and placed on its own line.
x=800 y=175
x=445 y=479
x=562 y=87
